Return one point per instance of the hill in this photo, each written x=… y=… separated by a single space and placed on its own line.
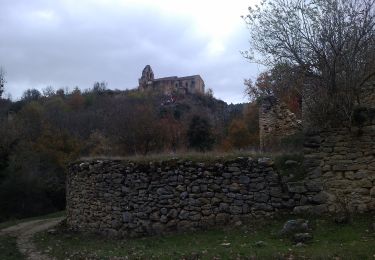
x=42 y=133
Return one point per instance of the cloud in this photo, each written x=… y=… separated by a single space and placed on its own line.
x=74 y=43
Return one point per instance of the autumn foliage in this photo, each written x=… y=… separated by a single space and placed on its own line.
x=43 y=132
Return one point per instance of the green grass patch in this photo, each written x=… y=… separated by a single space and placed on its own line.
x=8 y=249
x=18 y=221
x=331 y=241
x=183 y=156
x=197 y=157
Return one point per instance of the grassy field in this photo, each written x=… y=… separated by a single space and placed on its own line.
x=8 y=249
x=331 y=241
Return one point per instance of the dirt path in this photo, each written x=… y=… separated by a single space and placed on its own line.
x=24 y=233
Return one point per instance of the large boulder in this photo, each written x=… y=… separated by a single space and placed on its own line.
x=294 y=226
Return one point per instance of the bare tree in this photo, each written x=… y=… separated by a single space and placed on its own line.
x=332 y=41
x=2 y=81
x=48 y=91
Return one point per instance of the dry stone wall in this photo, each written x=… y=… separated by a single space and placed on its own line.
x=342 y=160
x=121 y=198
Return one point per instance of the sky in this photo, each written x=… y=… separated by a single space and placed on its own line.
x=68 y=43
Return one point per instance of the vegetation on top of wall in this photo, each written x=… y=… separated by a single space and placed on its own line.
x=199 y=157
x=208 y=157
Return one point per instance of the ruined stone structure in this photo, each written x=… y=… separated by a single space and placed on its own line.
x=339 y=162
x=276 y=121
x=342 y=159
x=190 y=84
x=342 y=162
x=124 y=198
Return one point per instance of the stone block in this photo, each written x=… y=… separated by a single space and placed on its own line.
x=372 y=192
x=315 y=185
x=244 y=179
x=320 y=198
x=296 y=187
x=234 y=169
x=261 y=197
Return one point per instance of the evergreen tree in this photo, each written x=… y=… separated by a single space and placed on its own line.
x=199 y=134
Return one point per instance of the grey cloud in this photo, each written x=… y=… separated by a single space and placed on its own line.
x=111 y=45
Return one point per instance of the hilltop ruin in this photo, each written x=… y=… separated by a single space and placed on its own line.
x=168 y=85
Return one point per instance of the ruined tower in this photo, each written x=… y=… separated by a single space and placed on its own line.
x=276 y=122
x=147 y=78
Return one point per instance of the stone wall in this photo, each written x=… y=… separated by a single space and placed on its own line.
x=276 y=121
x=343 y=162
x=343 y=159
x=123 y=198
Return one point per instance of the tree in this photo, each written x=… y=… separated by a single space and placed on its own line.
x=282 y=81
x=173 y=130
x=251 y=117
x=31 y=95
x=331 y=41
x=238 y=134
x=76 y=100
x=99 y=87
x=48 y=91
x=200 y=134
x=2 y=81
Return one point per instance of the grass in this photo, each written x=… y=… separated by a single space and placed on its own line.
x=8 y=249
x=186 y=156
x=207 y=157
x=13 y=222
x=331 y=241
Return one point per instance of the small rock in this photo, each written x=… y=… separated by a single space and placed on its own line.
x=265 y=161
x=238 y=223
x=260 y=244
x=300 y=244
x=52 y=231
x=294 y=226
x=302 y=237
x=291 y=163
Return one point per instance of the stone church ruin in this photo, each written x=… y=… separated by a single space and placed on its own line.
x=184 y=85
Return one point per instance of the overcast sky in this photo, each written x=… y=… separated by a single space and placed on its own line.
x=68 y=43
